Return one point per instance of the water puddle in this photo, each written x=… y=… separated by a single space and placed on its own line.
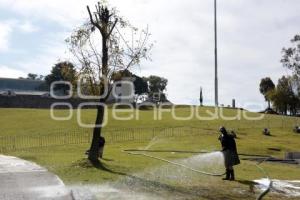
x=164 y=182
x=284 y=187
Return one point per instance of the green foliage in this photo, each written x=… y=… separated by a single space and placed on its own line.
x=265 y=87
x=286 y=97
x=62 y=71
x=153 y=86
x=32 y=76
x=157 y=86
x=141 y=85
x=291 y=56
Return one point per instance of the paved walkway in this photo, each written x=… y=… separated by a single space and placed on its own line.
x=23 y=180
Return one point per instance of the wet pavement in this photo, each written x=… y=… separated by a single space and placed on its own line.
x=22 y=180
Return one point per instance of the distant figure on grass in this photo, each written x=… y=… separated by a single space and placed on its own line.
x=266 y=131
x=297 y=129
x=229 y=151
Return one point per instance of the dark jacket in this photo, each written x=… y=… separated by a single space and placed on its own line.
x=228 y=143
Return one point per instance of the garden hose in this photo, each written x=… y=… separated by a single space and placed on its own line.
x=171 y=162
x=137 y=152
x=192 y=152
x=264 y=193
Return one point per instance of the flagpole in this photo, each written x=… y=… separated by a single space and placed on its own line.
x=216 y=55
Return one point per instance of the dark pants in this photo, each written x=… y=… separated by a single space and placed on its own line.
x=231 y=158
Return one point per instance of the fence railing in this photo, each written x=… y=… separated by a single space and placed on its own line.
x=14 y=143
x=84 y=136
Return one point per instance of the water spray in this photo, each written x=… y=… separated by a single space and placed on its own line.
x=264 y=193
x=191 y=152
x=139 y=152
x=173 y=163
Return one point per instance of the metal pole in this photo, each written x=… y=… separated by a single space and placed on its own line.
x=216 y=56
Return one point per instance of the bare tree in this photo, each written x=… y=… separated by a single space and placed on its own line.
x=122 y=47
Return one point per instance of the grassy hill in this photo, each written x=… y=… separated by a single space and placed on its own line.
x=39 y=121
x=69 y=162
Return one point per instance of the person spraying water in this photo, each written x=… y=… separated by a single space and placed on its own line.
x=230 y=154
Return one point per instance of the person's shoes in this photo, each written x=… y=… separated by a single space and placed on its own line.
x=227 y=175
x=231 y=173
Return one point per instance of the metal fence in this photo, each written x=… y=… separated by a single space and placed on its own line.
x=84 y=136
x=14 y=143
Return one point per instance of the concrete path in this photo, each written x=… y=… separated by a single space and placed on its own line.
x=22 y=180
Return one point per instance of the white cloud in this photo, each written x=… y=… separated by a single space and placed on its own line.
x=66 y=12
x=250 y=42
x=6 y=72
x=50 y=53
x=5 y=30
x=28 y=27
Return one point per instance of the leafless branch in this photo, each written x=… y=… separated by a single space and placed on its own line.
x=116 y=21
x=92 y=20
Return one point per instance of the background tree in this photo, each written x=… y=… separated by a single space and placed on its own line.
x=286 y=96
x=140 y=83
x=201 y=97
x=283 y=97
x=294 y=86
x=62 y=71
x=265 y=87
x=122 y=46
x=157 y=86
x=32 y=76
x=291 y=56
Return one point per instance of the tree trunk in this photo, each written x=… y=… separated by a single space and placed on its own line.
x=104 y=55
x=269 y=104
x=95 y=147
x=285 y=109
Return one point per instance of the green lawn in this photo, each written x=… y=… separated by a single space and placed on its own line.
x=69 y=162
x=39 y=121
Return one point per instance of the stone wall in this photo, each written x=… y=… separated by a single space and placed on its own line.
x=33 y=101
